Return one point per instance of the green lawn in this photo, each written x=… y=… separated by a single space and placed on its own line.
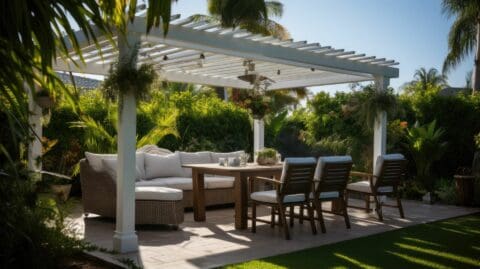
x=453 y=243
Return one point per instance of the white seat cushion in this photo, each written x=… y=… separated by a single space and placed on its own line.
x=327 y=195
x=271 y=197
x=219 y=182
x=158 y=193
x=364 y=186
x=193 y=158
x=182 y=183
x=157 y=166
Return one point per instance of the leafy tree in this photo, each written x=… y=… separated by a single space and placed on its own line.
x=464 y=36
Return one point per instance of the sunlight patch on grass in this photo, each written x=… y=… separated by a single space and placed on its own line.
x=256 y=264
x=416 y=240
x=419 y=261
x=453 y=231
x=355 y=262
x=476 y=248
x=442 y=254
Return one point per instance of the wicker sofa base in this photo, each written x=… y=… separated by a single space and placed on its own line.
x=158 y=212
x=212 y=197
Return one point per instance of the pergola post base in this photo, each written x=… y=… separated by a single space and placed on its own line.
x=125 y=242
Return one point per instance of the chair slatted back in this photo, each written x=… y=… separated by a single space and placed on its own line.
x=298 y=179
x=334 y=177
x=392 y=172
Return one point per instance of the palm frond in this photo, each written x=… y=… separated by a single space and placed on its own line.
x=461 y=41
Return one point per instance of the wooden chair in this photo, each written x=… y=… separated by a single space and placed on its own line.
x=331 y=177
x=390 y=169
x=293 y=188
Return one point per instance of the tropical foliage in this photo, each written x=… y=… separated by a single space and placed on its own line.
x=463 y=36
x=426 y=146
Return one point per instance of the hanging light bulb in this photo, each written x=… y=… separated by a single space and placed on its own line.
x=165 y=58
x=278 y=72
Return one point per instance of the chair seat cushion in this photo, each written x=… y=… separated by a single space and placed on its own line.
x=158 y=194
x=271 y=197
x=219 y=182
x=364 y=186
x=182 y=183
x=327 y=195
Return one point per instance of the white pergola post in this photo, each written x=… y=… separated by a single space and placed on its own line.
x=258 y=135
x=35 y=122
x=125 y=238
x=380 y=125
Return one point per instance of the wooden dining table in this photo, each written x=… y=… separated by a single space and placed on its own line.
x=241 y=175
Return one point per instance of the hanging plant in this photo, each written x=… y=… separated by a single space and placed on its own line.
x=124 y=77
x=258 y=104
x=375 y=102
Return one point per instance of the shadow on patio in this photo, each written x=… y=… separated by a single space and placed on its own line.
x=215 y=242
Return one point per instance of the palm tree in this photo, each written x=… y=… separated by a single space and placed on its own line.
x=464 y=36
x=429 y=78
x=251 y=15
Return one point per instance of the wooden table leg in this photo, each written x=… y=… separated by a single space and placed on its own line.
x=241 y=201
x=198 y=195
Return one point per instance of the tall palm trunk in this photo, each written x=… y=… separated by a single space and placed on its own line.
x=476 y=67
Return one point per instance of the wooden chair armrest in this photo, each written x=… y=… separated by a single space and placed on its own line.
x=274 y=181
x=361 y=174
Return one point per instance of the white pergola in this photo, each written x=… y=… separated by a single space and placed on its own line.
x=201 y=52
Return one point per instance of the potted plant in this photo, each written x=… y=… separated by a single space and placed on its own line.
x=44 y=99
x=267 y=156
x=60 y=185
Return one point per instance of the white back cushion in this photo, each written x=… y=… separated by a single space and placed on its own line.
x=162 y=165
x=217 y=155
x=96 y=162
x=381 y=158
x=192 y=158
x=329 y=159
x=110 y=166
x=288 y=161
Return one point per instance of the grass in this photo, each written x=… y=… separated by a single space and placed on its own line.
x=452 y=243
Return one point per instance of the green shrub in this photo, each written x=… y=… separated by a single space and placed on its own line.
x=205 y=122
x=458 y=116
x=445 y=190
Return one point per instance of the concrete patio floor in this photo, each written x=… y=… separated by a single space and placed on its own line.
x=215 y=242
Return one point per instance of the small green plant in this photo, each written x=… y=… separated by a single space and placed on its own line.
x=445 y=190
x=267 y=156
x=267 y=153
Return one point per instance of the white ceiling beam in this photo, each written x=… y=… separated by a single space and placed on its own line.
x=206 y=41
x=352 y=56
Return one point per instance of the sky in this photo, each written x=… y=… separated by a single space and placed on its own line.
x=412 y=32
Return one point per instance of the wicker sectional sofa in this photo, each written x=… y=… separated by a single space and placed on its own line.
x=98 y=177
